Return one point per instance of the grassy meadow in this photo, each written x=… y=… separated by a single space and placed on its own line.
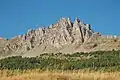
x=56 y=75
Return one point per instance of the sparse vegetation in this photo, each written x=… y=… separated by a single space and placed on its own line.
x=99 y=65
x=95 y=61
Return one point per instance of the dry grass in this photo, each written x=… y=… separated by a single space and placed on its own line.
x=47 y=75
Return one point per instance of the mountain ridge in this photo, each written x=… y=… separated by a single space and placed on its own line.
x=65 y=36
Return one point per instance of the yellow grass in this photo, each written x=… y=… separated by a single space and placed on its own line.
x=55 y=75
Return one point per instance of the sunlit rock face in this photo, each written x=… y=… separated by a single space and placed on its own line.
x=64 y=36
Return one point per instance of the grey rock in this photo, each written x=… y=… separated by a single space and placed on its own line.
x=64 y=36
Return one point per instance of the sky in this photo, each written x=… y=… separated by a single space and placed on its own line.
x=17 y=16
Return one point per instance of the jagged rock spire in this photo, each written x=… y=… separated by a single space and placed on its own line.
x=69 y=21
x=56 y=36
x=77 y=20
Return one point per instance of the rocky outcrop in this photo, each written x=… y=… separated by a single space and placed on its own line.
x=59 y=34
x=55 y=38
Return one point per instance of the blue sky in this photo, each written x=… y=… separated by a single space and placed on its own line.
x=17 y=16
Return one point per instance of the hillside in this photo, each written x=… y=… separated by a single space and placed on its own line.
x=92 y=61
x=65 y=36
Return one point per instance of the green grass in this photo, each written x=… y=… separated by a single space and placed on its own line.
x=94 y=61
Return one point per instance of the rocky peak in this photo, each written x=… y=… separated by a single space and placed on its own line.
x=69 y=21
x=77 y=20
x=63 y=33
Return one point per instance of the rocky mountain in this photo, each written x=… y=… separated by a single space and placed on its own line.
x=65 y=36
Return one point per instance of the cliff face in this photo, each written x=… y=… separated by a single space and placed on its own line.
x=64 y=36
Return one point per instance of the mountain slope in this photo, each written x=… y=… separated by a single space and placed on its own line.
x=64 y=36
